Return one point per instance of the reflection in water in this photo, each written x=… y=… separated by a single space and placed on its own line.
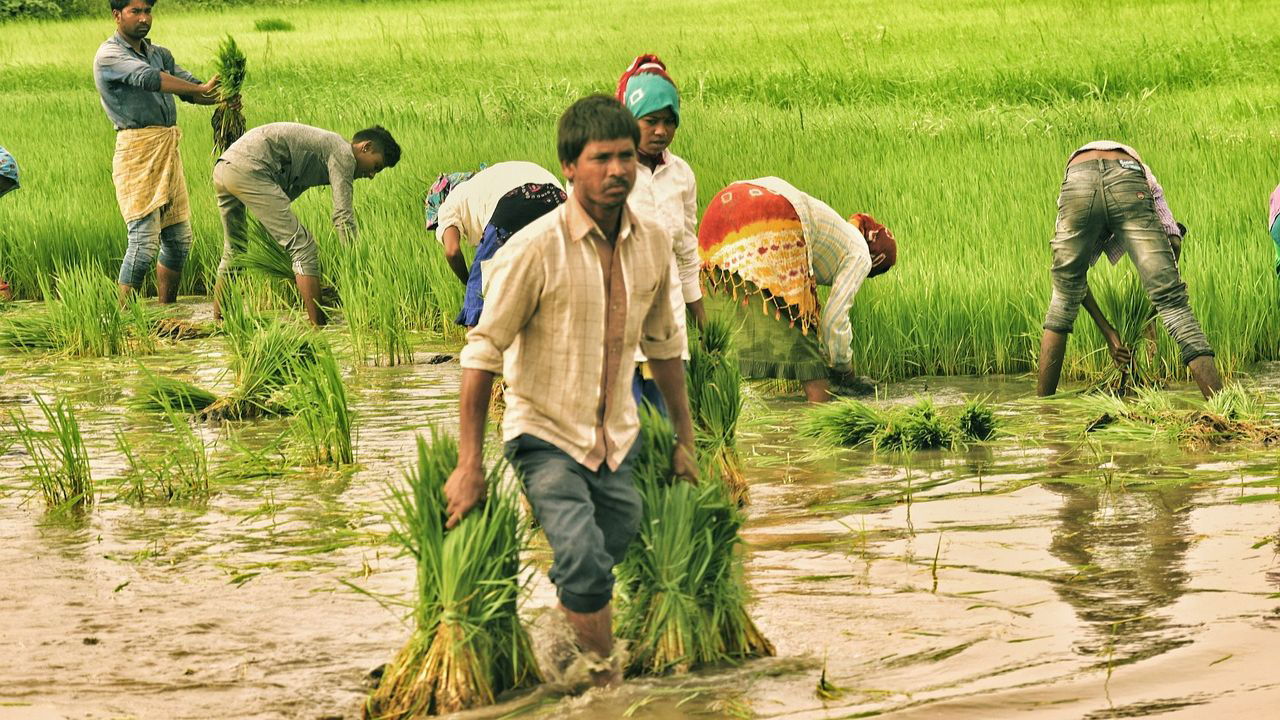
x=1128 y=550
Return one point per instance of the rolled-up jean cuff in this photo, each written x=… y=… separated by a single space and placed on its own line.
x=1193 y=353
x=1049 y=326
x=584 y=603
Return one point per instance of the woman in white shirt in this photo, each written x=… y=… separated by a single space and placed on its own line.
x=665 y=190
x=486 y=208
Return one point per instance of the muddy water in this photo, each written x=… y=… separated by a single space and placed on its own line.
x=1033 y=575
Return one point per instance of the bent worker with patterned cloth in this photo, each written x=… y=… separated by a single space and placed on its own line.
x=768 y=246
x=137 y=81
x=486 y=208
x=1273 y=221
x=8 y=183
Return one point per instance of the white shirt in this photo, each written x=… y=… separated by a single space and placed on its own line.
x=668 y=196
x=470 y=206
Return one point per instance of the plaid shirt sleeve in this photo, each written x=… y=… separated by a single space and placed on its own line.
x=842 y=261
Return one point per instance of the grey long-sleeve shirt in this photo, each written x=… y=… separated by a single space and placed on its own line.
x=129 y=84
x=297 y=157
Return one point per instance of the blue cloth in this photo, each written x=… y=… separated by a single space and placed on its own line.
x=648 y=93
x=145 y=238
x=643 y=388
x=589 y=517
x=473 y=300
x=8 y=169
x=129 y=84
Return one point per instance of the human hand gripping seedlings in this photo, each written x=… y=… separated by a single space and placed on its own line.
x=464 y=490
x=1120 y=354
x=683 y=464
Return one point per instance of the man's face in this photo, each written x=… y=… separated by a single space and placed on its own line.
x=657 y=130
x=134 y=21
x=369 y=162
x=604 y=172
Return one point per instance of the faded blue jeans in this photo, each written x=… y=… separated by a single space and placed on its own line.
x=589 y=517
x=145 y=238
x=1104 y=197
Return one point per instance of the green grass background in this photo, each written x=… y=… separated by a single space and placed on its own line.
x=949 y=121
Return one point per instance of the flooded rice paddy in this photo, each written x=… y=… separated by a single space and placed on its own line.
x=1040 y=575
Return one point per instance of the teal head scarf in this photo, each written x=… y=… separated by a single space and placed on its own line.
x=649 y=92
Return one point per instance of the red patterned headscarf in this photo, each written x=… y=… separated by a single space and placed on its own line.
x=880 y=243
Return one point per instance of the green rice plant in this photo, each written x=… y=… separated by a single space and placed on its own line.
x=228 y=119
x=272 y=25
x=1236 y=416
x=682 y=594
x=84 y=318
x=1234 y=402
x=177 y=471
x=467 y=643
x=322 y=422
x=976 y=420
x=374 y=309
x=918 y=427
x=157 y=393
x=715 y=400
x=845 y=422
x=57 y=457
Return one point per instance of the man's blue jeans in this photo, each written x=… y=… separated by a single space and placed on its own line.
x=589 y=517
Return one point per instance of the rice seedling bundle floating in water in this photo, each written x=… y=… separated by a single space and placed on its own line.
x=228 y=121
x=715 y=401
x=1234 y=415
x=467 y=645
x=157 y=393
x=57 y=457
x=920 y=426
x=682 y=595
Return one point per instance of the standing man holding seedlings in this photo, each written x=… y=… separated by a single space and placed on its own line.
x=268 y=168
x=486 y=209
x=1111 y=202
x=773 y=245
x=137 y=81
x=571 y=298
x=665 y=191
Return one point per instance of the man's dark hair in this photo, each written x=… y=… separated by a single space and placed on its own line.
x=122 y=4
x=595 y=117
x=382 y=142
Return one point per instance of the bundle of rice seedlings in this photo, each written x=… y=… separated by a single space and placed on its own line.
x=844 y=422
x=375 y=310
x=157 y=393
x=715 y=401
x=83 y=317
x=976 y=420
x=468 y=645
x=682 y=595
x=1233 y=416
x=264 y=256
x=228 y=121
x=180 y=472
x=57 y=457
x=322 y=421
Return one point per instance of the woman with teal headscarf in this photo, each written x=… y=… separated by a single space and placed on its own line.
x=665 y=190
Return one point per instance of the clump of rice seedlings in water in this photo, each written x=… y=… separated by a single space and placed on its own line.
x=374 y=308
x=57 y=457
x=844 y=422
x=467 y=644
x=264 y=256
x=83 y=317
x=228 y=121
x=682 y=594
x=322 y=421
x=1233 y=416
x=157 y=393
x=179 y=472
x=272 y=25
x=976 y=420
x=715 y=400
x=919 y=427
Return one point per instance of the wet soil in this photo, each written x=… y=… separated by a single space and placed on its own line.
x=1040 y=573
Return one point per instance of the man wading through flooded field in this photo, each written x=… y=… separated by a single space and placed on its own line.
x=137 y=81
x=1110 y=201
x=570 y=298
x=268 y=168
